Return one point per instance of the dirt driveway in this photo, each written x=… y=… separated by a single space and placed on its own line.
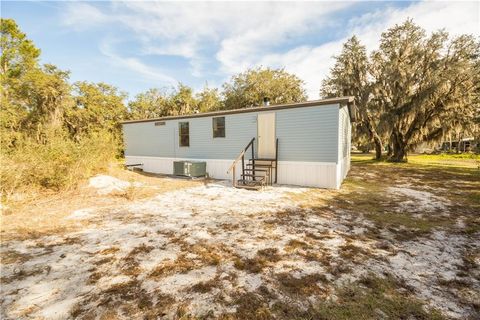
x=395 y=241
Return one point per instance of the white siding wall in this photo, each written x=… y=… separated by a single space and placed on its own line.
x=311 y=174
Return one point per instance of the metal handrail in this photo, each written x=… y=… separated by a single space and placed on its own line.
x=241 y=156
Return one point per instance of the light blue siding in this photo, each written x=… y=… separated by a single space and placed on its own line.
x=146 y=139
x=239 y=130
x=305 y=134
x=308 y=134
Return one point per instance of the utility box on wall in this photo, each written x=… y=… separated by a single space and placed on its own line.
x=190 y=168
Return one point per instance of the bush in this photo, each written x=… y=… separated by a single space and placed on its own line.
x=58 y=164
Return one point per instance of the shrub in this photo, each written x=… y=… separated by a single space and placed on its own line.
x=59 y=164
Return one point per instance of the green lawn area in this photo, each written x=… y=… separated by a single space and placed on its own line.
x=468 y=160
x=453 y=177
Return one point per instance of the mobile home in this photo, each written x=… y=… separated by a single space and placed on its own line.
x=305 y=144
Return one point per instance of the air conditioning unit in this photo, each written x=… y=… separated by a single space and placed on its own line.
x=190 y=168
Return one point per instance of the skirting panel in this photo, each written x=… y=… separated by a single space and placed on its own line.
x=310 y=174
x=216 y=168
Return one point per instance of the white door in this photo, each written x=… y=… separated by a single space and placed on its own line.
x=266 y=135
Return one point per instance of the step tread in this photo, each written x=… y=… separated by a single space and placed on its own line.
x=248 y=187
x=260 y=165
x=256 y=169
x=263 y=159
x=251 y=175
x=250 y=183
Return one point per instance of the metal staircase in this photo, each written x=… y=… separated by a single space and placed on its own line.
x=257 y=172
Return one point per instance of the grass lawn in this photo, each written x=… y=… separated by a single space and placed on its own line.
x=468 y=160
x=397 y=241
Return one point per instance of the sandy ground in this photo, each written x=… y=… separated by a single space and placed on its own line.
x=196 y=249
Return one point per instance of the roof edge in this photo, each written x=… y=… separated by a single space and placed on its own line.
x=348 y=100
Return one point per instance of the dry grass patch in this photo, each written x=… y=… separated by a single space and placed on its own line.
x=125 y=291
x=323 y=257
x=133 y=192
x=150 y=184
x=360 y=200
x=229 y=226
x=373 y=298
x=338 y=268
x=469 y=264
x=111 y=250
x=472 y=224
x=404 y=223
x=206 y=286
x=143 y=248
x=13 y=257
x=306 y=285
x=284 y=217
x=181 y=264
x=455 y=283
x=205 y=253
x=351 y=252
x=94 y=276
x=314 y=198
x=127 y=299
x=250 y=306
x=295 y=244
x=27 y=218
x=262 y=259
x=182 y=313
x=46 y=214
x=129 y=265
x=316 y=236
x=105 y=260
x=209 y=254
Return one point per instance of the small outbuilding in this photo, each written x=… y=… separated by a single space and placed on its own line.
x=305 y=144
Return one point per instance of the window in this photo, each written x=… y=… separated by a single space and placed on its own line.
x=184 y=133
x=219 y=127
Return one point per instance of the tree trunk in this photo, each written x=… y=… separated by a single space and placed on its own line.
x=374 y=136
x=389 y=150
x=378 y=146
x=459 y=141
x=399 y=148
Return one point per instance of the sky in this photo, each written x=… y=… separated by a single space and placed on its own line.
x=137 y=45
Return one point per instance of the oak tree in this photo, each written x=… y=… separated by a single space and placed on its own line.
x=249 y=88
